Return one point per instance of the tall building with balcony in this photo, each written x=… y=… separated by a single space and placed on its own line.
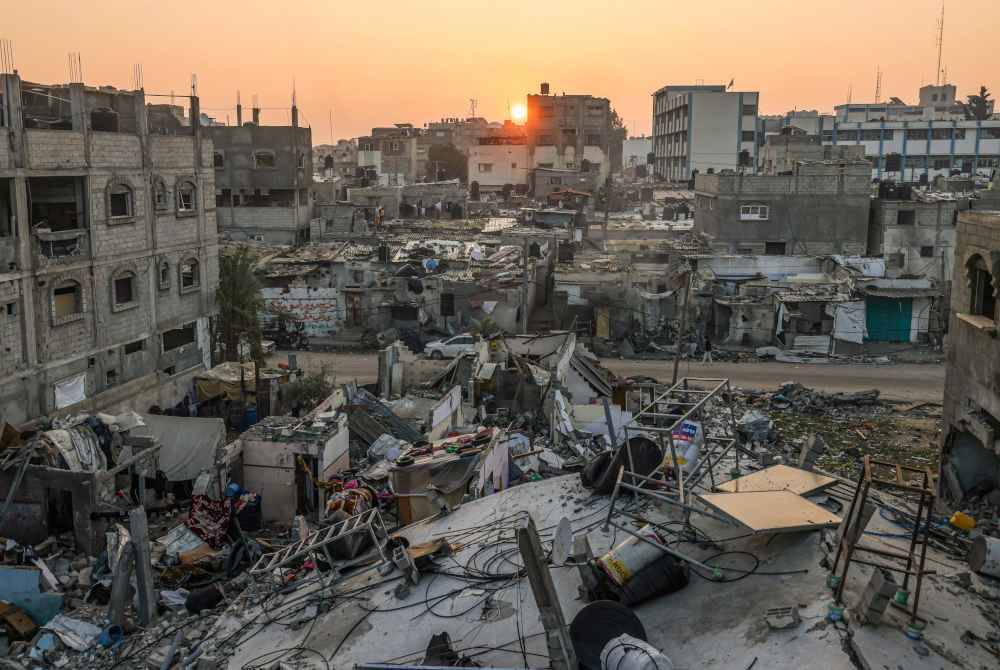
x=704 y=129
x=108 y=249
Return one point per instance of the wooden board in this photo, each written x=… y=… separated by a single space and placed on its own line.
x=771 y=511
x=779 y=478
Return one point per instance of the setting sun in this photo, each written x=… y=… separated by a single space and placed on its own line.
x=519 y=113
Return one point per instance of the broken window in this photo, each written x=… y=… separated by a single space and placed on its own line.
x=301 y=160
x=120 y=201
x=916 y=134
x=754 y=212
x=906 y=217
x=164 y=275
x=160 y=199
x=219 y=160
x=774 y=248
x=747 y=136
x=111 y=376
x=135 y=347
x=927 y=252
x=555 y=181
x=57 y=203
x=11 y=309
x=185 y=197
x=263 y=159
x=941 y=134
x=124 y=289
x=485 y=167
x=67 y=300
x=189 y=274
x=982 y=300
x=178 y=337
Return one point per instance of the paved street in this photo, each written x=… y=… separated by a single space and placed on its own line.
x=903 y=381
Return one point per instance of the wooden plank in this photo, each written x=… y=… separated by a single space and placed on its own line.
x=779 y=478
x=771 y=511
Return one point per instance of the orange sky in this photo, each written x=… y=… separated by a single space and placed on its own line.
x=375 y=63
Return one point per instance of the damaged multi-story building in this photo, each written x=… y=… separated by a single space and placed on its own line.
x=574 y=132
x=820 y=208
x=109 y=249
x=262 y=179
x=970 y=459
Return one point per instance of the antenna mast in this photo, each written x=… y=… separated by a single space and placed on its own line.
x=940 y=43
x=878 y=83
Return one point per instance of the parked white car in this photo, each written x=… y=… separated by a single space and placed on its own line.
x=450 y=348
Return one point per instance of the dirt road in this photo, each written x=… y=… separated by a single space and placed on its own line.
x=903 y=381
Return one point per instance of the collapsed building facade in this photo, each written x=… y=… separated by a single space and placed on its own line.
x=263 y=175
x=109 y=245
x=970 y=460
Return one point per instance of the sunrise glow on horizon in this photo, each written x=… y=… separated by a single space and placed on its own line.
x=360 y=65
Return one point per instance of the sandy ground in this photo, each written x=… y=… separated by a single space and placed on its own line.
x=902 y=381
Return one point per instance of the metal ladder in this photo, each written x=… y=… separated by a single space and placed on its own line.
x=369 y=521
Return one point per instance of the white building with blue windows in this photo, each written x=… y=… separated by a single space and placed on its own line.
x=911 y=143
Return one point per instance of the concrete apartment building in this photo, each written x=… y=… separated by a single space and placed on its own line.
x=781 y=152
x=821 y=208
x=701 y=129
x=336 y=160
x=393 y=153
x=497 y=161
x=911 y=143
x=262 y=180
x=970 y=458
x=564 y=131
x=109 y=249
x=915 y=231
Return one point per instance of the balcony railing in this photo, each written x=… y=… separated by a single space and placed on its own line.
x=53 y=245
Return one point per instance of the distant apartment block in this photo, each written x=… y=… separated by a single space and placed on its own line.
x=911 y=143
x=573 y=132
x=108 y=249
x=262 y=180
x=702 y=129
x=496 y=162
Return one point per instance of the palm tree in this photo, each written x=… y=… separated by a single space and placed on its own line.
x=240 y=303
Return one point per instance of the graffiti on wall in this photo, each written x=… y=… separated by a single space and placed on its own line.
x=318 y=308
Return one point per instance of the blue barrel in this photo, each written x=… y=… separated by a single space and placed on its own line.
x=249 y=418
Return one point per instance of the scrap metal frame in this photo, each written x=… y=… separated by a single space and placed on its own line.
x=691 y=401
x=320 y=540
x=919 y=538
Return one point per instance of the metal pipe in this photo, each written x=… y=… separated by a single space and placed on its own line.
x=663 y=498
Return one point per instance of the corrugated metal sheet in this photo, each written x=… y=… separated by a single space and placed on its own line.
x=883 y=292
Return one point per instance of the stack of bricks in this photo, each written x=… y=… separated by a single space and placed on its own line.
x=875 y=599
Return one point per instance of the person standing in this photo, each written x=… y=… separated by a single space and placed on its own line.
x=707 y=356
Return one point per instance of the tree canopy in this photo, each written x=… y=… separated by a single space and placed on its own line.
x=978 y=107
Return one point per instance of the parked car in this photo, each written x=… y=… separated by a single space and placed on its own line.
x=450 y=348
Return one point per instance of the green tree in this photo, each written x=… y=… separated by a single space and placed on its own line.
x=240 y=303
x=444 y=161
x=978 y=107
x=310 y=390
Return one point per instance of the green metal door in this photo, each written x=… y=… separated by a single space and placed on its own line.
x=888 y=319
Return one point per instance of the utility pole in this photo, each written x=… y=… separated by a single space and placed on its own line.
x=940 y=44
x=525 y=308
x=680 y=333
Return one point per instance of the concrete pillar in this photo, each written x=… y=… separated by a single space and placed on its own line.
x=25 y=261
x=11 y=90
x=239 y=115
x=256 y=116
